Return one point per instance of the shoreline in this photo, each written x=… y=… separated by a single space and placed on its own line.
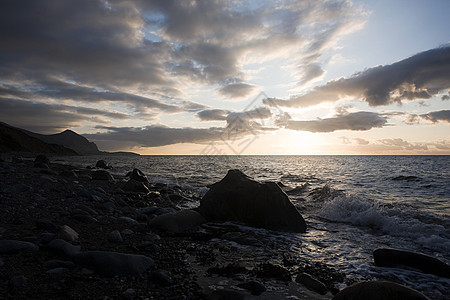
x=211 y=262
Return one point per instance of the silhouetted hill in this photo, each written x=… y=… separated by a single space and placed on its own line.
x=69 y=139
x=15 y=140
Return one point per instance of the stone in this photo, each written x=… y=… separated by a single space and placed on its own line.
x=69 y=174
x=115 y=237
x=385 y=257
x=311 y=283
x=255 y=287
x=56 y=271
x=129 y=294
x=269 y=270
x=110 y=264
x=224 y=294
x=137 y=175
x=128 y=220
x=177 y=222
x=14 y=247
x=378 y=290
x=67 y=233
x=102 y=175
x=18 y=189
x=239 y=198
x=135 y=187
x=85 y=219
x=102 y=164
x=105 y=263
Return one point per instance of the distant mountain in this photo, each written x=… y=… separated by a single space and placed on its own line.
x=69 y=139
x=15 y=140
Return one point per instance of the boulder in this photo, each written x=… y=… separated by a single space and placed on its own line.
x=102 y=175
x=102 y=164
x=67 y=233
x=239 y=198
x=135 y=186
x=110 y=264
x=385 y=257
x=378 y=290
x=105 y=263
x=177 y=222
x=137 y=175
x=13 y=247
x=311 y=283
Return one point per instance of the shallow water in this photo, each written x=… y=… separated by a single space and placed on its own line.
x=352 y=204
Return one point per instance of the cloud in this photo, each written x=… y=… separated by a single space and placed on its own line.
x=361 y=141
x=358 y=121
x=345 y=140
x=436 y=116
x=421 y=76
x=442 y=145
x=213 y=115
x=412 y=119
x=49 y=118
x=399 y=143
x=236 y=90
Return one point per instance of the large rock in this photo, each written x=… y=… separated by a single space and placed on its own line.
x=102 y=175
x=393 y=258
x=105 y=263
x=378 y=290
x=137 y=175
x=13 y=247
x=177 y=222
x=239 y=198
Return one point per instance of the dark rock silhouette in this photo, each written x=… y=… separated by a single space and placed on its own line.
x=378 y=290
x=393 y=258
x=239 y=198
x=15 y=140
x=69 y=139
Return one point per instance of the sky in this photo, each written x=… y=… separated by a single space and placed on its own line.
x=231 y=77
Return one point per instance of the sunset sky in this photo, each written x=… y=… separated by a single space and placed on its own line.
x=231 y=77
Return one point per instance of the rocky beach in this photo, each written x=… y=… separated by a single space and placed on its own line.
x=74 y=233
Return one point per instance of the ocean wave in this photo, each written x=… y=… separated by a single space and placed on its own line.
x=388 y=219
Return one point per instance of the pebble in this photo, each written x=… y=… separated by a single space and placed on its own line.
x=163 y=277
x=67 y=233
x=115 y=237
x=18 y=281
x=311 y=283
x=57 y=271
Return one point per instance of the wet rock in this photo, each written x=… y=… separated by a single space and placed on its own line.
x=394 y=258
x=102 y=175
x=87 y=209
x=177 y=222
x=46 y=238
x=63 y=248
x=255 y=287
x=102 y=164
x=14 y=246
x=69 y=174
x=164 y=210
x=228 y=270
x=378 y=290
x=311 y=283
x=115 y=237
x=269 y=270
x=128 y=220
x=135 y=186
x=85 y=219
x=239 y=198
x=137 y=175
x=67 y=233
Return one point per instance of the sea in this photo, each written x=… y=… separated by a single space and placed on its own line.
x=352 y=204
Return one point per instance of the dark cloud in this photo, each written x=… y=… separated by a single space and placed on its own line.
x=421 y=76
x=412 y=119
x=236 y=90
x=358 y=121
x=213 y=114
x=402 y=144
x=50 y=118
x=436 y=116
